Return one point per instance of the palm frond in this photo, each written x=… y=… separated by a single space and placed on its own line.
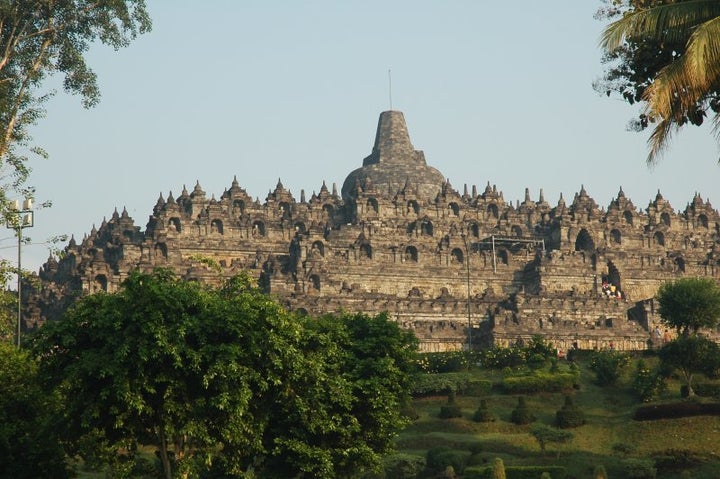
x=672 y=22
x=659 y=140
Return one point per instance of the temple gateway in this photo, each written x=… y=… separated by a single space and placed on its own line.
x=459 y=269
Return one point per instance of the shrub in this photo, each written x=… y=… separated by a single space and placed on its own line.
x=639 y=469
x=450 y=411
x=498 y=469
x=647 y=384
x=449 y=362
x=403 y=466
x=516 y=472
x=437 y=384
x=439 y=458
x=675 y=410
x=521 y=414
x=673 y=459
x=608 y=366
x=539 y=381
x=483 y=413
x=623 y=448
x=477 y=387
x=599 y=472
x=569 y=415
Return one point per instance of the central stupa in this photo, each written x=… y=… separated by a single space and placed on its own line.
x=394 y=163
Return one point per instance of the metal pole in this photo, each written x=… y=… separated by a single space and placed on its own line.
x=19 y=284
x=467 y=269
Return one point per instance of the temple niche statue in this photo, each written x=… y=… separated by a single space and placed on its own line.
x=460 y=269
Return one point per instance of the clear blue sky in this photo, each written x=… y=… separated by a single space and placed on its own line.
x=491 y=91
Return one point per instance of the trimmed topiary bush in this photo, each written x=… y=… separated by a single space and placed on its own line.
x=439 y=458
x=483 y=413
x=521 y=414
x=569 y=415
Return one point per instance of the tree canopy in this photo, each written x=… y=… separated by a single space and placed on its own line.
x=689 y=304
x=665 y=54
x=690 y=355
x=29 y=442
x=226 y=379
x=39 y=38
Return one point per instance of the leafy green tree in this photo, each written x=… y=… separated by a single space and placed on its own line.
x=29 y=443
x=42 y=37
x=544 y=435
x=227 y=378
x=691 y=355
x=608 y=366
x=689 y=304
x=666 y=54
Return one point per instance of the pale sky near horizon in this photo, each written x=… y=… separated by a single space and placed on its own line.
x=495 y=92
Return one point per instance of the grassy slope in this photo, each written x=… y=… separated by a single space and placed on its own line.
x=610 y=427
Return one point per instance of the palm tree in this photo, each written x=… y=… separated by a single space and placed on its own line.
x=684 y=87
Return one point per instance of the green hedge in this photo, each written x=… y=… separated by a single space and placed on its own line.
x=515 y=472
x=440 y=384
x=540 y=381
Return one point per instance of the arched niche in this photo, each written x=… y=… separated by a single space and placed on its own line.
x=366 y=251
x=492 y=211
x=413 y=207
x=454 y=209
x=175 y=224
x=702 y=221
x=659 y=238
x=584 y=241
x=100 y=283
x=315 y=282
x=216 y=226
x=258 y=228
x=628 y=216
x=426 y=227
x=411 y=254
x=161 y=250
x=680 y=264
x=665 y=218
x=615 y=236
x=372 y=205
x=318 y=248
x=457 y=255
x=516 y=231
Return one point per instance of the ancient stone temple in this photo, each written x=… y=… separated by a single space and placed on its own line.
x=459 y=269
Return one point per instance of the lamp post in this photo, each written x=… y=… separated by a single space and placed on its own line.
x=19 y=219
x=467 y=270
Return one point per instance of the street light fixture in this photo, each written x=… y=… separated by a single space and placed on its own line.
x=19 y=219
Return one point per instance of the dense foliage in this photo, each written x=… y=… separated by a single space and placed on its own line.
x=225 y=378
x=39 y=38
x=29 y=443
x=608 y=365
x=665 y=54
x=689 y=304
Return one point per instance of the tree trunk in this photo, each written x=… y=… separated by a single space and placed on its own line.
x=690 y=390
x=167 y=467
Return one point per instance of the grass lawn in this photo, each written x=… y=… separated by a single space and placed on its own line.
x=609 y=438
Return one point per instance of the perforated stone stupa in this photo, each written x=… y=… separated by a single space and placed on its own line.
x=458 y=269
